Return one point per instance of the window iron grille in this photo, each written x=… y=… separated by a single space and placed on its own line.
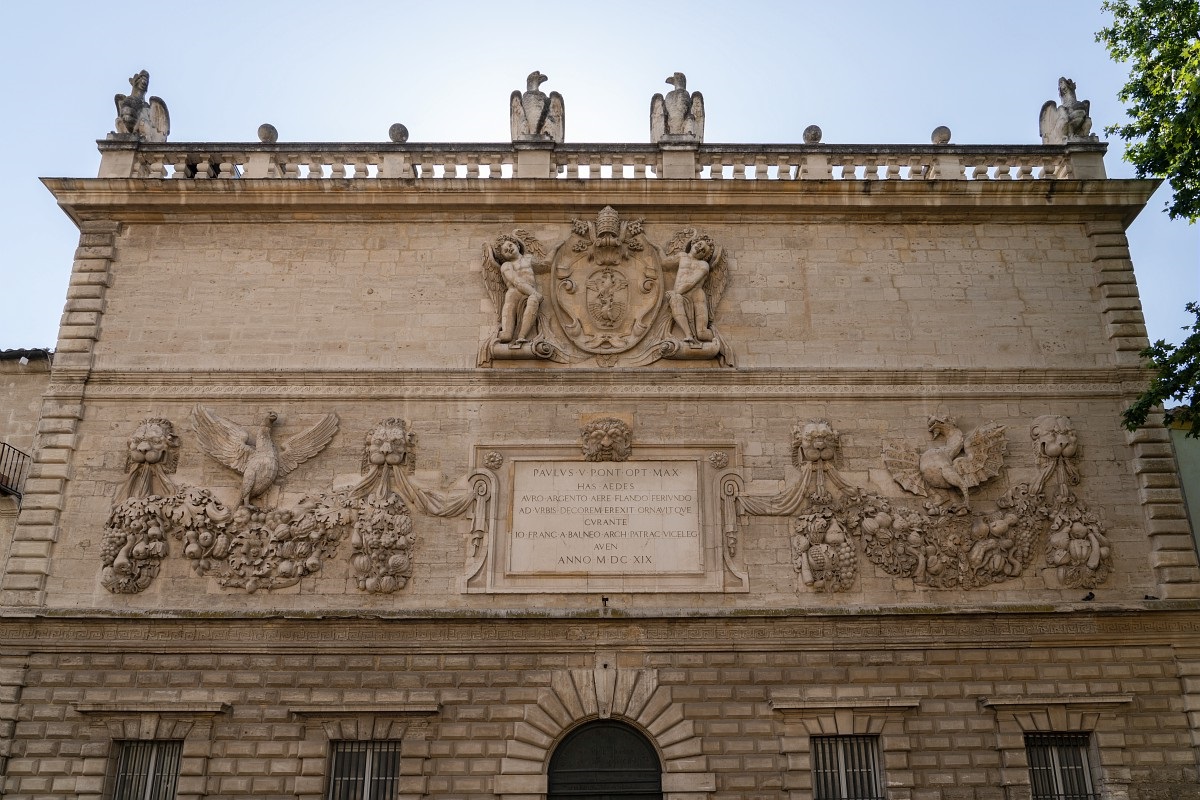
x=364 y=771
x=1058 y=766
x=146 y=769
x=846 y=768
x=14 y=465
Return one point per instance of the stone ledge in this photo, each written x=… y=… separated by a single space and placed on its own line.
x=859 y=704
x=1040 y=701
x=152 y=706
x=335 y=709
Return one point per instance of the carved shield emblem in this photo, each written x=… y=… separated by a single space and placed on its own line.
x=607 y=284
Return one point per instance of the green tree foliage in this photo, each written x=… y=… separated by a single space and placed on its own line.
x=1160 y=39
x=1177 y=381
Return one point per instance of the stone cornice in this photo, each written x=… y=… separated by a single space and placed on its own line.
x=908 y=627
x=198 y=384
x=702 y=201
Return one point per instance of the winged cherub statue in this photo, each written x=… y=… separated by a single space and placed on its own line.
x=962 y=463
x=137 y=118
x=700 y=281
x=508 y=274
x=254 y=454
x=679 y=114
x=534 y=116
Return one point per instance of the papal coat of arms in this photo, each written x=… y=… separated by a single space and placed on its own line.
x=607 y=284
x=606 y=294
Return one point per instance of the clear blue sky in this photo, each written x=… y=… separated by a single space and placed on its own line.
x=866 y=71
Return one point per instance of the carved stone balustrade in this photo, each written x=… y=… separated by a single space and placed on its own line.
x=355 y=161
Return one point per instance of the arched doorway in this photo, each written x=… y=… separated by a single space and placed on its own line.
x=605 y=760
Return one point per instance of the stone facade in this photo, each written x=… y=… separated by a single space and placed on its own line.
x=793 y=443
x=24 y=375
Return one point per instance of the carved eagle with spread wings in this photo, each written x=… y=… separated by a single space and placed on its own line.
x=534 y=115
x=254 y=454
x=678 y=113
x=962 y=463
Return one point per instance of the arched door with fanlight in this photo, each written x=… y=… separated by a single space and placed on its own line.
x=605 y=760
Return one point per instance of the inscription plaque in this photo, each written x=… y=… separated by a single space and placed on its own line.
x=563 y=524
x=611 y=518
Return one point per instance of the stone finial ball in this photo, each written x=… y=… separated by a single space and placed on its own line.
x=398 y=133
x=941 y=135
x=267 y=133
x=812 y=134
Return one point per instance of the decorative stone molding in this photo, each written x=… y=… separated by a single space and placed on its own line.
x=943 y=545
x=602 y=296
x=381 y=536
x=1122 y=310
x=405 y=722
x=804 y=718
x=607 y=439
x=1097 y=715
x=579 y=695
x=13 y=672
x=114 y=721
x=134 y=541
x=24 y=579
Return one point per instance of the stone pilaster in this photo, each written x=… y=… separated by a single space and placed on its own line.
x=24 y=579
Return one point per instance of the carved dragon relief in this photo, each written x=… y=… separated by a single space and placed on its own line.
x=258 y=544
x=941 y=544
x=606 y=295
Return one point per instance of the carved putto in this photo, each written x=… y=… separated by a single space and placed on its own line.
x=510 y=266
x=138 y=118
x=534 y=116
x=255 y=455
x=961 y=463
x=700 y=279
x=679 y=116
x=607 y=439
x=1068 y=121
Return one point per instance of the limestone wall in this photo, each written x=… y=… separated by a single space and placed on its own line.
x=411 y=295
x=22 y=386
x=478 y=707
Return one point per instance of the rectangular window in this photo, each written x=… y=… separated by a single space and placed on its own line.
x=146 y=769
x=1058 y=766
x=846 y=768
x=364 y=771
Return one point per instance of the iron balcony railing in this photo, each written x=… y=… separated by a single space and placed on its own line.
x=14 y=467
